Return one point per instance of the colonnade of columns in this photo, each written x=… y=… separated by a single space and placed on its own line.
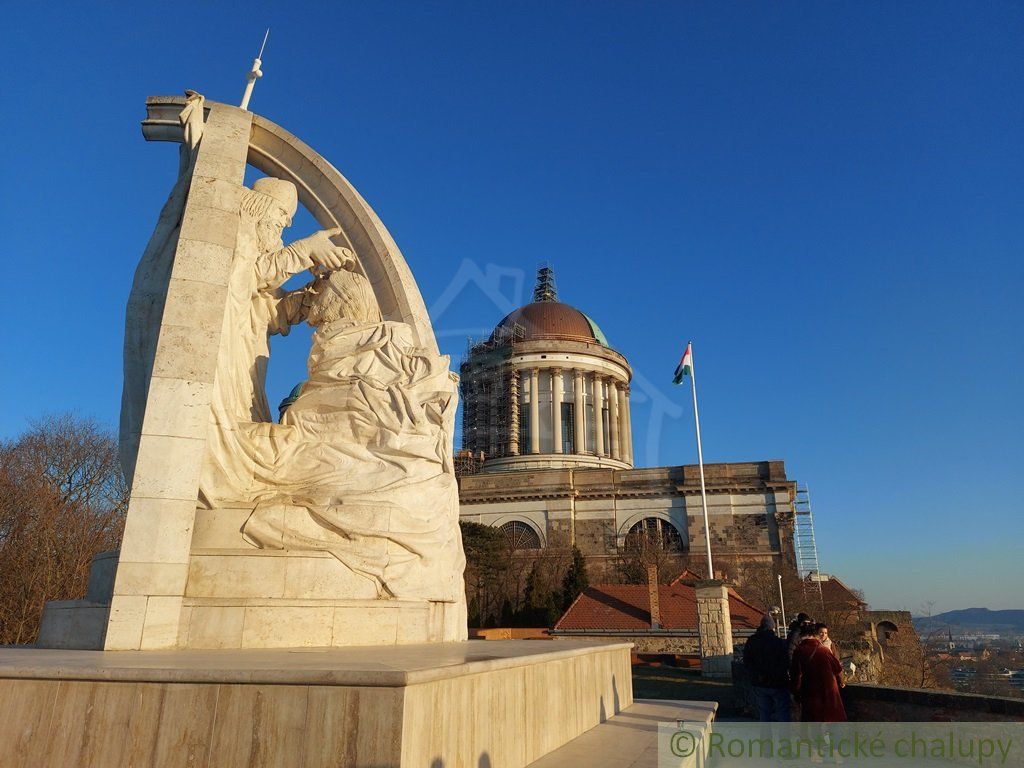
x=608 y=420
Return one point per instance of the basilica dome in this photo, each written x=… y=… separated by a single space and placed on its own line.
x=546 y=390
x=548 y=318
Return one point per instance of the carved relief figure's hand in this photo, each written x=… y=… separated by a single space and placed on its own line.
x=326 y=254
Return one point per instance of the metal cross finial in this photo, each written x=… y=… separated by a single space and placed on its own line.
x=255 y=73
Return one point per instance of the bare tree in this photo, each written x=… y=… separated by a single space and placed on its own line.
x=644 y=548
x=62 y=500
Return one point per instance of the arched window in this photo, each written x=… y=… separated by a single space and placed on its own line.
x=885 y=631
x=520 y=535
x=654 y=532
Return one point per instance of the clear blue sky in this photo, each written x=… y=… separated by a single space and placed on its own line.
x=826 y=197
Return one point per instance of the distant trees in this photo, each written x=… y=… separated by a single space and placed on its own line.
x=62 y=500
x=488 y=560
x=639 y=551
x=517 y=588
x=576 y=579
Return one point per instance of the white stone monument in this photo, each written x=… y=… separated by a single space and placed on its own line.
x=337 y=526
x=290 y=594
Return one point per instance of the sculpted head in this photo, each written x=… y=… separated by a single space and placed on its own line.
x=271 y=203
x=341 y=294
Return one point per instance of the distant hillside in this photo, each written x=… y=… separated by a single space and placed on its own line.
x=979 y=619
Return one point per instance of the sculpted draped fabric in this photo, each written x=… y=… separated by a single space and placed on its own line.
x=361 y=466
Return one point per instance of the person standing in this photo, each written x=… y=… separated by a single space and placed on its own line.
x=793 y=638
x=815 y=677
x=766 y=656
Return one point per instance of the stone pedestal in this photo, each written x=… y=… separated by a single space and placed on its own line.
x=714 y=626
x=500 y=703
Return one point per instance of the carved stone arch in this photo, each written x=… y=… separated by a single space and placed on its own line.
x=504 y=520
x=661 y=515
x=332 y=201
x=884 y=631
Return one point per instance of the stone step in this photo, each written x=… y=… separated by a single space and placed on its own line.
x=73 y=625
x=630 y=738
x=231 y=622
x=272 y=573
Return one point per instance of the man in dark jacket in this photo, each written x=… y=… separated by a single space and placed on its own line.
x=766 y=655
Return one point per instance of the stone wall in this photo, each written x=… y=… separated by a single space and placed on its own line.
x=750 y=509
x=867 y=703
x=875 y=703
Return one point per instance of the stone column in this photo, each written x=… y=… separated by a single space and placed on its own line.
x=467 y=416
x=534 y=410
x=627 y=426
x=513 y=412
x=556 y=408
x=598 y=415
x=580 y=432
x=613 y=418
x=493 y=441
x=714 y=625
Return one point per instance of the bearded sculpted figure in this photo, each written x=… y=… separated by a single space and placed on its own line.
x=360 y=466
x=361 y=463
x=257 y=308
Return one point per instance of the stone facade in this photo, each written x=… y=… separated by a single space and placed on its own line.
x=750 y=509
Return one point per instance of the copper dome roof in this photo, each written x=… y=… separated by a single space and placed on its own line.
x=549 y=320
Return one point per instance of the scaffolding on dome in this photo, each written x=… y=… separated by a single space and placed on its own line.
x=546 y=289
x=488 y=408
x=468 y=463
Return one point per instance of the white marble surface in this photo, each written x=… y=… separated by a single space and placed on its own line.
x=630 y=738
x=387 y=666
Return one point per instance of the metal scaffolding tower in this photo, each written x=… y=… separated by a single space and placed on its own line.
x=806 y=549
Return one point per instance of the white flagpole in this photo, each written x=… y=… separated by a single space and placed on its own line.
x=700 y=462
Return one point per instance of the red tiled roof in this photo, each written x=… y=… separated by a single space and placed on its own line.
x=686 y=575
x=627 y=606
x=835 y=593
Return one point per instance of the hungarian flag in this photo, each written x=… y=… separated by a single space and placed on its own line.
x=685 y=367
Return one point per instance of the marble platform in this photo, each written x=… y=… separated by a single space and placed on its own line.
x=630 y=738
x=494 y=703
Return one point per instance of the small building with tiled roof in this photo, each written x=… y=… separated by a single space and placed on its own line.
x=623 y=611
x=836 y=594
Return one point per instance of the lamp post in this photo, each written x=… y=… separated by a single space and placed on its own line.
x=782 y=601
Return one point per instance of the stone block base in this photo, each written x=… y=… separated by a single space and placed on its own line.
x=500 y=703
x=210 y=623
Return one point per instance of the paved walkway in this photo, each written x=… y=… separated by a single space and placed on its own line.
x=630 y=738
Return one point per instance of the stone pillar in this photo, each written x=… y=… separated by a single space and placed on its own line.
x=556 y=408
x=653 y=596
x=534 y=410
x=598 y=415
x=493 y=436
x=467 y=416
x=152 y=570
x=627 y=426
x=613 y=418
x=714 y=625
x=581 y=412
x=513 y=412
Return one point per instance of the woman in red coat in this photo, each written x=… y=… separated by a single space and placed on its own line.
x=815 y=677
